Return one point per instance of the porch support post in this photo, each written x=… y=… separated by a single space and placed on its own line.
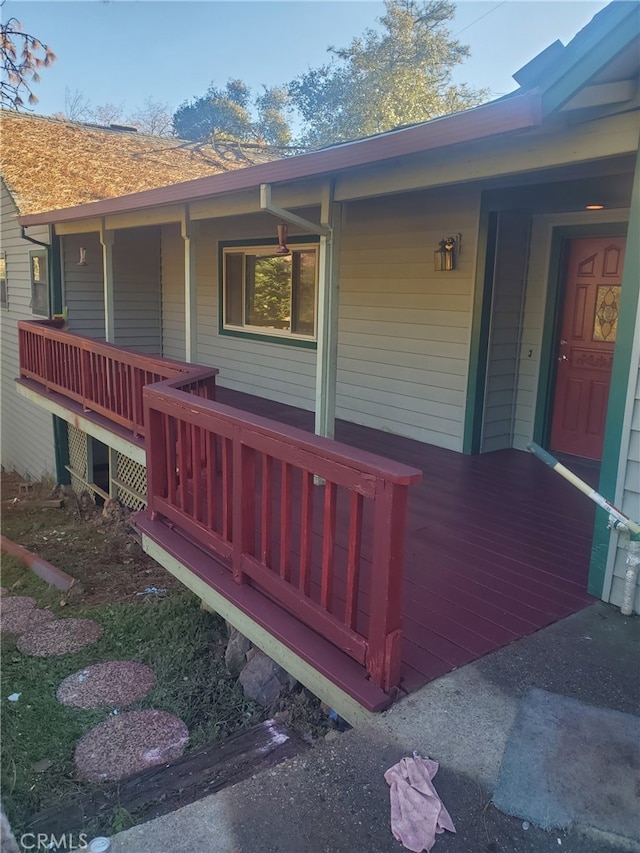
x=107 y=238
x=189 y=234
x=328 y=280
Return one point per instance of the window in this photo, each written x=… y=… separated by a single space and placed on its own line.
x=39 y=283
x=4 y=297
x=269 y=294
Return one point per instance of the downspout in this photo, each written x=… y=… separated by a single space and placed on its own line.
x=327 y=304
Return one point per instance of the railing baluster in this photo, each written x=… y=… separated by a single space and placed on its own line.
x=170 y=451
x=328 y=544
x=353 y=559
x=196 y=470
x=183 y=464
x=211 y=468
x=306 y=532
x=285 y=521
x=227 y=489
x=244 y=497
x=266 y=513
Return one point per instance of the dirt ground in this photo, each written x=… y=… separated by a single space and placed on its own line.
x=96 y=542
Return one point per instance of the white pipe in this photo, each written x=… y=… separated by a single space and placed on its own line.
x=632 y=564
x=287 y=216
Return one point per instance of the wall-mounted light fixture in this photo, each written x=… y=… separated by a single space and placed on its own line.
x=83 y=257
x=594 y=206
x=282 y=248
x=444 y=258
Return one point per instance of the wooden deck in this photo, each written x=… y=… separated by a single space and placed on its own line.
x=497 y=546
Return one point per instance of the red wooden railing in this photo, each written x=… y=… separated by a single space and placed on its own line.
x=105 y=379
x=316 y=525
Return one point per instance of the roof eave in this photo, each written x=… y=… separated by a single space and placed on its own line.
x=498 y=117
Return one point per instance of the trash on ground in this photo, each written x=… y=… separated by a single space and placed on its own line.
x=14 y=697
x=152 y=590
x=417 y=812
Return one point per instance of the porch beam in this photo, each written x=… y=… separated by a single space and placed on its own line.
x=327 y=354
x=188 y=230
x=107 y=239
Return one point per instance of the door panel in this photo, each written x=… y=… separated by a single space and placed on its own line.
x=593 y=276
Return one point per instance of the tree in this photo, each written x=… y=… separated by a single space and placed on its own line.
x=272 y=124
x=22 y=57
x=153 y=117
x=224 y=111
x=398 y=75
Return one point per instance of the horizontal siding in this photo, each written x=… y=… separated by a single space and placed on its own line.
x=173 y=313
x=83 y=288
x=403 y=329
x=136 y=289
x=267 y=369
x=27 y=431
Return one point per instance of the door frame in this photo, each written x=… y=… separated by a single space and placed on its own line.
x=553 y=312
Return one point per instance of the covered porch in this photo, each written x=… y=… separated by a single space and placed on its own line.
x=375 y=563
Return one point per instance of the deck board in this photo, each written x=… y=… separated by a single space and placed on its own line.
x=497 y=546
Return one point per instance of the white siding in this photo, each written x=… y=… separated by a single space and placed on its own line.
x=404 y=329
x=27 y=431
x=504 y=337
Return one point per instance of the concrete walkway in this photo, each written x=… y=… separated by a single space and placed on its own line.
x=335 y=800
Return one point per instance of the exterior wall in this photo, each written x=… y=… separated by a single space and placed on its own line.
x=628 y=492
x=27 y=431
x=266 y=369
x=512 y=247
x=136 y=289
x=83 y=293
x=404 y=330
x=173 y=313
x=136 y=275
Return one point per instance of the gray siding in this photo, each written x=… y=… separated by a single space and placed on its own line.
x=172 y=253
x=136 y=286
x=83 y=290
x=504 y=336
x=404 y=329
x=266 y=369
x=27 y=431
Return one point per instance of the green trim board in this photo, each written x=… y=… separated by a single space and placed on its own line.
x=283 y=340
x=620 y=377
x=481 y=322
x=553 y=317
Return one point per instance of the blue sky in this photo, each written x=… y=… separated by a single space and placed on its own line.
x=122 y=52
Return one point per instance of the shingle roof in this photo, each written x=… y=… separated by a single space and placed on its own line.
x=50 y=163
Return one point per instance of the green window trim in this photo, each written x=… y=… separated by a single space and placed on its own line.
x=244 y=300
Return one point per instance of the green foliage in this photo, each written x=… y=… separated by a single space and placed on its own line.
x=227 y=112
x=269 y=292
x=397 y=75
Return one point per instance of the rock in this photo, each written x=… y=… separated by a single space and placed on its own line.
x=252 y=651
x=332 y=736
x=263 y=680
x=235 y=654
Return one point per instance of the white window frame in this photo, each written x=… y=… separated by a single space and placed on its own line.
x=266 y=250
x=4 y=283
x=39 y=253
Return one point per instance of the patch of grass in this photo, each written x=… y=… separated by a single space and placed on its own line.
x=182 y=643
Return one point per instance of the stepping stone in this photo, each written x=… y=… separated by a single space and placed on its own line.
x=116 y=683
x=17 y=602
x=127 y=743
x=23 y=619
x=59 y=637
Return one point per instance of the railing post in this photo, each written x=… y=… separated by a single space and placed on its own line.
x=156 y=452
x=244 y=489
x=385 y=614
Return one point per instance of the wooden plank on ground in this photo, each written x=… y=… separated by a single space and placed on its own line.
x=163 y=789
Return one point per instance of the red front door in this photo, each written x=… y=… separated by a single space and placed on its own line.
x=585 y=355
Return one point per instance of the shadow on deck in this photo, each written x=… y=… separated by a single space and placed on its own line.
x=497 y=546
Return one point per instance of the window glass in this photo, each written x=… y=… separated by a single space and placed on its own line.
x=3 y=280
x=39 y=284
x=268 y=293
